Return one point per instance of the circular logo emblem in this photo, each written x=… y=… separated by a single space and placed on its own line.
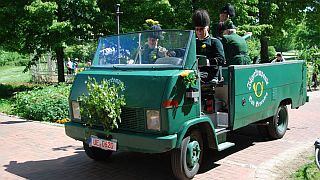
x=257 y=83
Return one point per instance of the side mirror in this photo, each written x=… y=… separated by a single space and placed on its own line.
x=202 y=60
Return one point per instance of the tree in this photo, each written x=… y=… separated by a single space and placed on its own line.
x=42 y=26
x=37 y=26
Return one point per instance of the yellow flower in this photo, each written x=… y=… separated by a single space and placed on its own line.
x=204 y=46
x=149 y=21
x=184 y=74
x=61 y=121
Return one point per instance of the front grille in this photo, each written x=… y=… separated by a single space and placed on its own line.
x=133 y=119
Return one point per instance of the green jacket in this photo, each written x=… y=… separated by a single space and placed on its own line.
x=212 y=48
x=235 y=49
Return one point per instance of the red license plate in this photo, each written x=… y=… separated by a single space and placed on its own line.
x=103 y=144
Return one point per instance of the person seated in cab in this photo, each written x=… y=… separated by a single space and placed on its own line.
x=207 y=46
x=235 y=47
x=151 y=51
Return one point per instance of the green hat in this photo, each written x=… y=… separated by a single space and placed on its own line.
x=228 y=25
x=155 y=31
x=201 y=18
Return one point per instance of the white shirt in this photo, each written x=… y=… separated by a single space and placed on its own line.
x=275 y=60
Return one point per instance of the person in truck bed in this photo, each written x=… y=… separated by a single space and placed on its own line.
x=235 y=47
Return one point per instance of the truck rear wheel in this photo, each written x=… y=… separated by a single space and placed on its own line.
x=279 y=123
x=96 y=153
x=186 y=161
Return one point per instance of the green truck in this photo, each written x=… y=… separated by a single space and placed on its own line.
x=163 y=114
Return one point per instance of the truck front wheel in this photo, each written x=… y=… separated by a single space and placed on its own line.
x=186 y=161
x=96 y=153
x=279 y=123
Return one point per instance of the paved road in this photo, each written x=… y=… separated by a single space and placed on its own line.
x=34 y=150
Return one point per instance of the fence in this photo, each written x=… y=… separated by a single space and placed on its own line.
x=45 y=70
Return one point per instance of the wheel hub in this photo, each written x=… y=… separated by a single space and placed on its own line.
x=193 y=153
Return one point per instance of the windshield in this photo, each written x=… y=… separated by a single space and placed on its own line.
x=149 y=47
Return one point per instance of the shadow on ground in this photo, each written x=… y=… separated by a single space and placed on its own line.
x=122 y=165
x=14 y=122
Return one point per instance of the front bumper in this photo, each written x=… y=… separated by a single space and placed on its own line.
x=127 y=141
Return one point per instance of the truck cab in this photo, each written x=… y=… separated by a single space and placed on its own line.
x=163 y=114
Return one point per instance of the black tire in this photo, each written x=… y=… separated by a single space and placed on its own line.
x=317 y=157
x=183 y=168
x=96 y=153
x=279 y=123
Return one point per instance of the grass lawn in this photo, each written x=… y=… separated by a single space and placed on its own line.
x=13 y=74
x=308 y=171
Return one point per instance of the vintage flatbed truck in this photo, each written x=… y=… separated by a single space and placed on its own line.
x=163 y=115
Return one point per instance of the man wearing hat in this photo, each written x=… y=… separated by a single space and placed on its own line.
x=151 y=51
x=226 y=13
x=206 y=45
x=235 y=47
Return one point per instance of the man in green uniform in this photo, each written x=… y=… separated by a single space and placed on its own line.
x=226 y=13
x=151 y=51
x=235 y=47
x=208 y=46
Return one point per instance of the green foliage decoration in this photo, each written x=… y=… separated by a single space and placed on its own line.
x=47 y=104
x=102 y=104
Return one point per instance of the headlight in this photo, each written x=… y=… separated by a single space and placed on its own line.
x=76 y=109
x=153 y=120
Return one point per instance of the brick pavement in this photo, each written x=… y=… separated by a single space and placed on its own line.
x=34 y=150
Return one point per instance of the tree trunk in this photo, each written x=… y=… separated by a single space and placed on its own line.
x=60 y=54
x=264 y=50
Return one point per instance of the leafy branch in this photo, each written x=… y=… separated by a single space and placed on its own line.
x=102 y=104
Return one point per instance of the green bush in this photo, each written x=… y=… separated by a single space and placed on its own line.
x=6 y=105
x=312 y=56
x=10 y=89
x=254 y=48
x=47 y=104
x=12 y=58
x=102 y=104
x=272 y=52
